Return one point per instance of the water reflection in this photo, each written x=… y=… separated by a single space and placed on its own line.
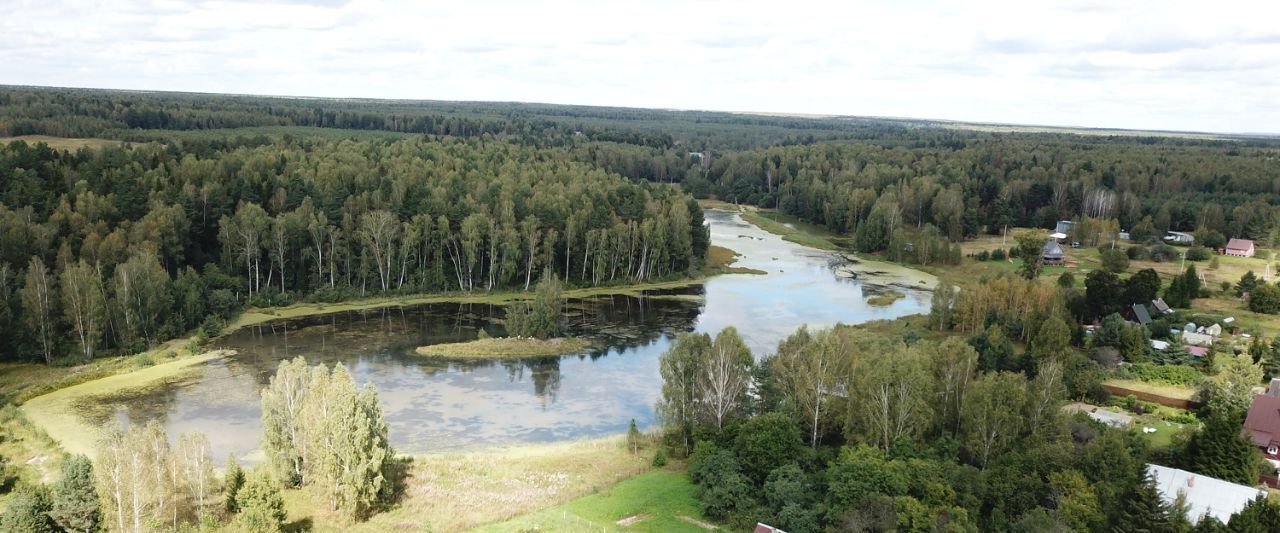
x=440 y=404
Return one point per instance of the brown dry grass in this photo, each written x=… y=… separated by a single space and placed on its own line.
x=61 y=143
x=455 y=492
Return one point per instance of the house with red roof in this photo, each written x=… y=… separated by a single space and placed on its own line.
x=1262 y=425
x=1240 y=248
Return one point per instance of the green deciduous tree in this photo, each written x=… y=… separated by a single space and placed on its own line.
x=726 y=373
x=992 y=415
x=38 y=304
x=680 y=367
x=1030 y=245
x=1265 y=298
x=83 y=304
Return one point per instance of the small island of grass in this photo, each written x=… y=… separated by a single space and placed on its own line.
x=885 y=298
x=505 y=347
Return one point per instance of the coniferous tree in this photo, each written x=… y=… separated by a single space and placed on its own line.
x=1142 y=510
x=259 y=505
x=1259 y=516
x=28 y=511
x=1218 y=450
x=75 y=505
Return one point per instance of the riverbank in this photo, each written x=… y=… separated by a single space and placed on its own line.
x=60 y=414
x=499 y=347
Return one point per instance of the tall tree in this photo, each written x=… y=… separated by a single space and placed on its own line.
x=37 y=301
x=82 y=303
x=812 y=368
x=993 y=414
x=283 y=426
x=681 y=367
x=725 y=375
x=75 y=505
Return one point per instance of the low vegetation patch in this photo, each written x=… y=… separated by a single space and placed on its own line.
x=791 y=229
x=505 y=347
x=885 y=299
x=654 y=501
x=720 y=259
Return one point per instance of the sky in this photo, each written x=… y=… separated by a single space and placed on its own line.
x=1173 y=65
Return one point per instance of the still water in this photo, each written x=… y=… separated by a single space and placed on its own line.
x=439 y=405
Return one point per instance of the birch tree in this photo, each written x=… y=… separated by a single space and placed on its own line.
x=283 y=430
x=37 y=301
x=83 y=305
x=680 y=367
x=724 y=377
x=379 y=231
x=812 y=370
x=889 y=394
x=993 y=414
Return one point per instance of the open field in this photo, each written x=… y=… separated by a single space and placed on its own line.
x=504 y=347
x=662 y=500
x=61 y=143
x=454 y=492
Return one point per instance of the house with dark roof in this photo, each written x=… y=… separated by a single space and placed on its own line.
x=1161 y=307
x=1262 y=424
x=1052 y=253
x=1240 y=248
x=1140 y=314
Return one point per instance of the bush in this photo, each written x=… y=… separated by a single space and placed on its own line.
x=211 y=326
x=983 y=256
x=660 y=457
x=722 y=488
x=998 y=255
x=1136 y=253
x=1197 y=253
x=1183 y=375
x=1265 y=298
x=1114 y=260
x=1066 y=280
x=143 y=360
x=261 y=508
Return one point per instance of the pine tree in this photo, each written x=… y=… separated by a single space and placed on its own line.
x=1219 y=451
x=75 y=502
x=233 y=481
x=1259 y=516
x=28 y=511
x=1142 y=511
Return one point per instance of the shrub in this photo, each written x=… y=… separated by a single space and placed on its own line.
x=143 y=360
x=983 y=255
x=1197 y=253
x=1114 y=260
x=998 y=254
x=1170 y=374
x=1137 y=252
x=261 y=508
x=1066 y=280
x=660 y=457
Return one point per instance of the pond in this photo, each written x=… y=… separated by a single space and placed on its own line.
x=434 y=405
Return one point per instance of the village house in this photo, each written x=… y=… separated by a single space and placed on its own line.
x=1240 y=248
x=1262 y=424
x=1203 y=495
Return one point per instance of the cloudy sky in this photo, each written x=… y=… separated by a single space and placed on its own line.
x=1197 y=65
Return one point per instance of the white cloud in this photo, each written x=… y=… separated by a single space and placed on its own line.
x=1168 y=65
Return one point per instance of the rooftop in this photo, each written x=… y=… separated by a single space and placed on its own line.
x=1262 y=425
x=1204 y=495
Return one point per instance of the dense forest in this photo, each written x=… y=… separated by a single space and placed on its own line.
x=121 y=247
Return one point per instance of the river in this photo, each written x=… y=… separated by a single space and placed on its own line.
x=434 y=405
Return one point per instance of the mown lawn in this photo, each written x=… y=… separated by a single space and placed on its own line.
x=661 y=500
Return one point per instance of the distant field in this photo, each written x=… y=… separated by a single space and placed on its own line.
x=274 y=132
x=61 y=143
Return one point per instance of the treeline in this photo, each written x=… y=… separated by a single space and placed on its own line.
x=121 y=114
x=1220 y=188
x=120 y=247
